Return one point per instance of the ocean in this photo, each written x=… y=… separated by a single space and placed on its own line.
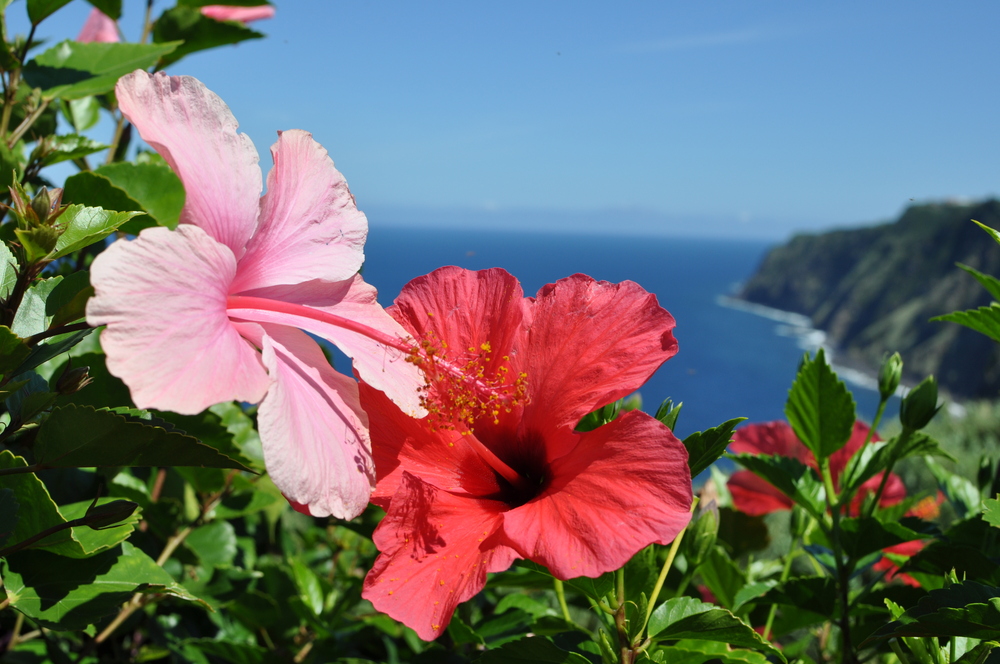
x=731 y=362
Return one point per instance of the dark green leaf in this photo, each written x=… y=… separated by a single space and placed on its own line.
x=992 y=284
x=722 y=576
x=68 y=299
x=817 y=594
x=71 y=70
x=688 y=655
x=790 y=476
x=67 y=148
x=704 y=448
x=991 y=511
x=208 y=428
x=241 y=504
x=57 y=345
x=531 y=650
x=688 y=618
x=104 y=391
x=8 y=514
x=820 y=408
x=859 y=537
x=967 y=609
x=226 y=651
x=978 y=654
x=13 y=350
x=43 y=515
x=113 y=8
x=69 y=594
x=85 y=226
x=79 y=436
x=39 y=10
x=962 y=493
x=193 y=32
x=592 y=588
x=985 y=320
x=462 y=633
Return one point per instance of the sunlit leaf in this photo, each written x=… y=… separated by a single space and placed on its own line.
x=689 y=618
x=820 y=408
x=705 y=447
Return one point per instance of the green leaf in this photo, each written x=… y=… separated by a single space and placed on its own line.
x=193 y=32
x=820 y=408
x=13 y=350
x=991 y=511
x=962 y=493
x=70 y=594
x=873 y=458
x=29 y=490
x=531 y=650
x=94 y=541
x=751 y=592
x=8 y=270
x=310 y=588
x=213 y=543
x=993 y=234
x=985 y=320
x=688 y=655
x=67 y=148
x=790 y=476
x=859 y=537
x=722 y=576
x=225 y=651
x=8 y=514
x=241 y=504
x=689 y=618
x=80 y=436
x=816 y=594
x=39 y=10
x=85 y=226
x=68 y=300
x=71 y=70
x=31 y=316
x=57 y=345
x=704 y=448
x=992 y=284
x=82 y=113
x=967 y=609
x=153 y=185
x=593 y=588
x=113 y=8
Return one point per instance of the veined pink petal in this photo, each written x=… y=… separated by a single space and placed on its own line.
x=309 y=226
x=163 y=298
x=99 y=28
x=625 y=485
x=195 y=132
x=436 y=549
x=383 y=368
x=241 y=14
x=591 y=342
x=312 y=428
x=753 y=495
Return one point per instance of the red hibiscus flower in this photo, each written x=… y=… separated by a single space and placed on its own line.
x=754 y=496
x=497 y=471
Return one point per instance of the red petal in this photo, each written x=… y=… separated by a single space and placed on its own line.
x=774 y=438
x=753 y=495
x=625 y=485
x=591 y=342
x=839 y=459
x=436 y=550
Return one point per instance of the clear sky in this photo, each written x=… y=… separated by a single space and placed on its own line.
x=695 y=118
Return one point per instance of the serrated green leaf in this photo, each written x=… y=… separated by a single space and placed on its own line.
x=39 y=10
x=67 y=148
x=790 y=476
x=113 y=8
x=985 y=320
x=705 y=447
x=85 y=226
x=192 y=32
x=992 y=284
x=80 y=436
x=13 y=350
x=689 y=618
x=8 y=271
x=8 y=514
x=991 y=511
x=531 y=650
x=69 y=594
x=820 y=408
x=71 y=70
x=873 y=458
x=968 y=609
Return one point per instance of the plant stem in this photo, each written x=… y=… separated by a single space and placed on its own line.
x=56 y=331
x=26 y=123
x=42 y=535
x=674 y=546
x=843 y=574
x=793 y=551
x=561 y=596
x=900 y=443
x=23 y=469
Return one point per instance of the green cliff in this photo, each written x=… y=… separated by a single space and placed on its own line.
x=872 y=290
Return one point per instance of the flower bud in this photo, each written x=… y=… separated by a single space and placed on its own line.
x=799 y=522
x=73 y=379
x=41 y=204
x=920 y=405
x=888 y=376
x=109 y=514
x=702 y=534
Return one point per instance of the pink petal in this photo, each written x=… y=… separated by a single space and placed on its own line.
x=163 y=298
x=241 y=14
x=436 y=550
x=309 y=226
x=753 y=495
x=441 y=458
x=591 y=342
x=195 y=132
x=383 y=368
x=625 y=485
x=99 y=28
x=313 y=431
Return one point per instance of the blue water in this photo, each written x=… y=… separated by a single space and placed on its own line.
x=730 y=363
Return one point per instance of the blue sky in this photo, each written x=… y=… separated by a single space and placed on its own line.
x=711 y=118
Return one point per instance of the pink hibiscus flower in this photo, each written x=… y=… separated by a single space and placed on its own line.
x=214 y=311
x=497 y=471
x=753 y=495
x=99 y=27
x=240 y=14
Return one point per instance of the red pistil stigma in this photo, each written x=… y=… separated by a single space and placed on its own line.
x=458 y=391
